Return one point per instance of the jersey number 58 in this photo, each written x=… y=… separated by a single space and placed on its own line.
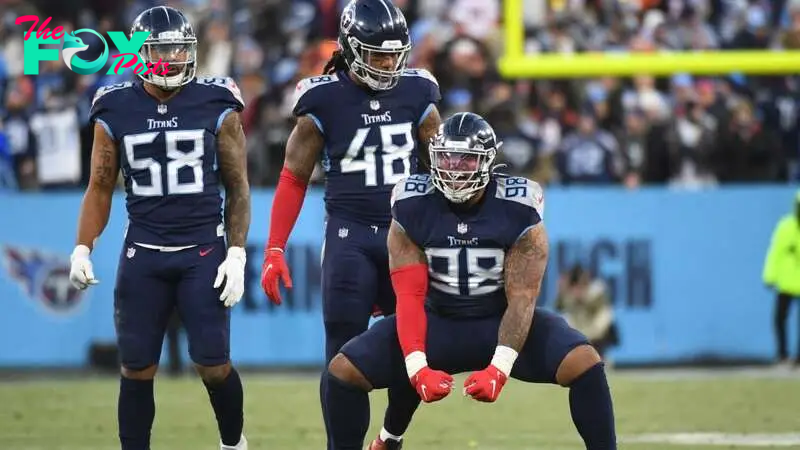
x=390 y=154
x=178 y=159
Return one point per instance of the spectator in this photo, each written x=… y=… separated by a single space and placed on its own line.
x=585 y=305
x=682 y=130
x=589 y=154
x=748 y=152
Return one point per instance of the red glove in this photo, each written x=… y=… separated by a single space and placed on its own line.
x=485 y=385
x=275 y=267
x=432 y=385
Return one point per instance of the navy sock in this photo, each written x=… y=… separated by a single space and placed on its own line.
x=227 y=399
x=323 y=399
x=136 y=410
x=592 y=410
x=403 y=402
x=348 y=414
x=336 y=335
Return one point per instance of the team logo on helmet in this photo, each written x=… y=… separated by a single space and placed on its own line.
x=347 y=18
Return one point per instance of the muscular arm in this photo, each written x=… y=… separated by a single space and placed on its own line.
x=233 y=165
x=524 y=270
x=96 y=205
x=427 y=130
x=303 y=148
x=402 y=250
x=409 y=268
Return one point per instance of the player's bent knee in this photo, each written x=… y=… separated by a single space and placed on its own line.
x=147 y=373
x=213 y=374
x=343 y=369
x=578 y=360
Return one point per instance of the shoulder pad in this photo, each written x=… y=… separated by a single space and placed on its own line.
x=523 y=191
x=422 y=73
x=226 y=83
x=412 y=186
x=103 y=90
x=307 y=84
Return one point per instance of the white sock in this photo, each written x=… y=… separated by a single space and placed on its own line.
x=385 y=436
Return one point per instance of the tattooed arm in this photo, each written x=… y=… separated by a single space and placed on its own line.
x=427 y=130
x=233 y=165
x=96 y=206
x=524 y=270
x=409 y=268
x=402 y=250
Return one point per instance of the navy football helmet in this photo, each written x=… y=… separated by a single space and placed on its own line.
x=462 y=156
x=172 y=40
x=373 y=37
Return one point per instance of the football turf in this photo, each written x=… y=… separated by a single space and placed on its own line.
x=744 y=410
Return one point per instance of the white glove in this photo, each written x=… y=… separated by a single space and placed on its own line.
x=81 y=274
x=232 y=271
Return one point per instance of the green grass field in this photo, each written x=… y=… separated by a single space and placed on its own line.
x=749 y=411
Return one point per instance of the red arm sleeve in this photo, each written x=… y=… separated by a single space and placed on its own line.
x=286 y=205
x=411 y=286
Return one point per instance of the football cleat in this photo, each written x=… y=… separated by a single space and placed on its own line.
x=242 y=445
x=390 y=444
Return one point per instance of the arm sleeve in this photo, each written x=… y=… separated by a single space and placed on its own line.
x=410 y=283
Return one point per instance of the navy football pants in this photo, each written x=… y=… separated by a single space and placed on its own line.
x=151 y=284
x=355 y=277
x=457 y=345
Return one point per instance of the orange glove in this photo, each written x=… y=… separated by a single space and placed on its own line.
x=274 y=268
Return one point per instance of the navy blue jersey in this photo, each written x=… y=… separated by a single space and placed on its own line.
x=370 y=138
x=466 y=248
x=588 y=158
x=168 y=157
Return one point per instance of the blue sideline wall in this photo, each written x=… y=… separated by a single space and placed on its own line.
x=684 y=268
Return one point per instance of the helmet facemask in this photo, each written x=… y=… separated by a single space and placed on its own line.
x=460 y=170
x=179 y=52
x=379 y=68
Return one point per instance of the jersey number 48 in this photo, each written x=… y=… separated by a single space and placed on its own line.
x=391 y=153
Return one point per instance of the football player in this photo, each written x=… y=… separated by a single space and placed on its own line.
x=178 y=141
x=369 y=114
x=468 y=250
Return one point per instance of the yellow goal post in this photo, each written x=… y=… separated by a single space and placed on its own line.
x=516 y=64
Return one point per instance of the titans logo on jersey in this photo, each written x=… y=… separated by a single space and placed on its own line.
x=466 y=248
x=370 y=138
x=168 y=157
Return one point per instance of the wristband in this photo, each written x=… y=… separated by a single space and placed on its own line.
x=504 y=358
x=415 y=361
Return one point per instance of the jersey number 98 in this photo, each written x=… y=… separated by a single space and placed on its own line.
x=516 y=187
x=466 y=271
x=177 y=160
x=390 y=153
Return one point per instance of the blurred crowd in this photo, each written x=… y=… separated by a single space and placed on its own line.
x=680 y=130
